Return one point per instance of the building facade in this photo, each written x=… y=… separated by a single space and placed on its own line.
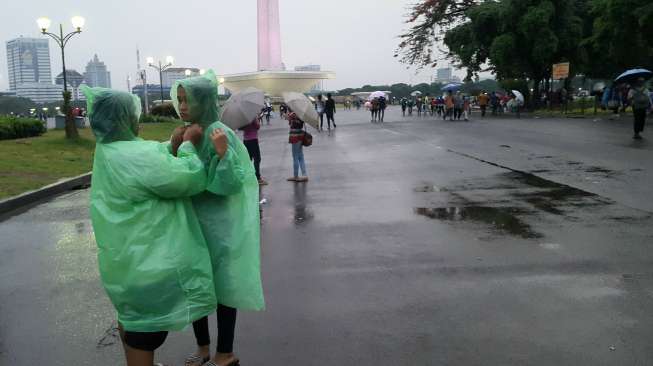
x=40 y=92
x=74 y=81
x=96 y=74
x=446 y=76
x=28 y=61
x=312 y=68
x=170 y=75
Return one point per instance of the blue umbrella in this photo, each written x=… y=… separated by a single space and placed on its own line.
x=633 y=74
x=452 y=87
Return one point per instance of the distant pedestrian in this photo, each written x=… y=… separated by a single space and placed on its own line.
x=467 y=108
x=330 y=110
x=319 y=108
x=449 y=106
x=494 y=103
x=411 y=103
x=374 y=108
x=458 y=106
x=419 y=104
x=382 y=106
x=641 y=101
x=483 y=101
x=404 y=105
x=250 y=140
x=296 y=139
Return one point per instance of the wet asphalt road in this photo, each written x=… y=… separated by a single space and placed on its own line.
x=416 y=242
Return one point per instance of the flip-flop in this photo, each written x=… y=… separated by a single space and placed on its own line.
x=196 y=360
x=235 y=362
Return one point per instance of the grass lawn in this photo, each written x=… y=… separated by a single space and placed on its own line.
x=28 y=164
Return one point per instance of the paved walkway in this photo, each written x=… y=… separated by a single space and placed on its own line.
x=494 y=242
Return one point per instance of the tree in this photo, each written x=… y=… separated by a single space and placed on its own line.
x=621 y=37
x=16 y=105
x=517 y=39
x=429 y=19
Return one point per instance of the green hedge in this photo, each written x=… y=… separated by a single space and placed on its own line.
x=148 y=118
x=18 y=128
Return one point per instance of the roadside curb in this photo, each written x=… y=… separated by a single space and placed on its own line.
x=24 y=199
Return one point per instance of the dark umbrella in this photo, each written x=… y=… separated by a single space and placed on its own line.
x=632 y=75
x=452 y=87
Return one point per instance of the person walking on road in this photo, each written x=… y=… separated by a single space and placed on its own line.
x=296 y=139
x=250 y=139
x=449 y=107
x=382 y=106
x=640 y=99
x=483 y=100
x=458 y=106
x=319 y=108
x=404 y=105
x=330 y=110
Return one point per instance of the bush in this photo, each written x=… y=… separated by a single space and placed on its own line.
x=18 y=128
x=148 y=118
x=164 y=110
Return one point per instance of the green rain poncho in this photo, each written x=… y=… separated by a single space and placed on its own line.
x=153 y=259
x=229 y=209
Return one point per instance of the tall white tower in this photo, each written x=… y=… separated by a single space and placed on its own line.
x=269 y=36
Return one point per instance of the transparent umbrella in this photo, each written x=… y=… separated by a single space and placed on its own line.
x=242 y=107
x=302 y=107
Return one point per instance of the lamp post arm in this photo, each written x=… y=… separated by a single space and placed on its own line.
x=55 y=37
x=69 y=36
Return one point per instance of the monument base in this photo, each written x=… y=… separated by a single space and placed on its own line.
x=274 y=83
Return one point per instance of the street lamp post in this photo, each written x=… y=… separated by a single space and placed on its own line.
x=161 y=67
x=61 y=39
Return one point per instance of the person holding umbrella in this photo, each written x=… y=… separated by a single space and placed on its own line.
x=296 y=139
x=641 y=101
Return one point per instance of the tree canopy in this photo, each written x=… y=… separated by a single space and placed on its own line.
x=521 y=39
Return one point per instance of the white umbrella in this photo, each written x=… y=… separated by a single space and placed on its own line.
x=519 y=95
x=416 y=93
x=376 y=94
x=302 y=107
x=242 y=108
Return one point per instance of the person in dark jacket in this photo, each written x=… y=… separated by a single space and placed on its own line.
x=330 y=110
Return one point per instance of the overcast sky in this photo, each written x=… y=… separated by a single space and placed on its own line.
x=354 y=38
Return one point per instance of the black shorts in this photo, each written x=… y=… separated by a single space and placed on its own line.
x=145 y=341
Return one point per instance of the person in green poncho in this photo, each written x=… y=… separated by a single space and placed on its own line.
x=228 y=211
x=152 y=256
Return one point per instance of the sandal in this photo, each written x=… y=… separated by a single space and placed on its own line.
x=292 y=179
x=235 y=362
x=196 y=360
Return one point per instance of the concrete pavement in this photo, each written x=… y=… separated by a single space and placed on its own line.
x=418 y=241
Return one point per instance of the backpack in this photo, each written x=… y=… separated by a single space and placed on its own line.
x=640 y=99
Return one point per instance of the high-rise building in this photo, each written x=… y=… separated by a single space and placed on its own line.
x=269 y=36
x=96 y=74
x=444 y=73
x=313 y=68
x=74 y=81
x=28 y=61
x=170 y=75
x=40 y=92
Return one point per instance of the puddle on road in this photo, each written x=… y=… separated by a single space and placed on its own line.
x=525 y=194
x=502 y=219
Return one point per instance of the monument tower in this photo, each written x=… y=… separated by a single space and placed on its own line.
x=271 y=76
x=269 y=36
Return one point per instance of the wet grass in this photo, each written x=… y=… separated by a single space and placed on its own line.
x=31 y=163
